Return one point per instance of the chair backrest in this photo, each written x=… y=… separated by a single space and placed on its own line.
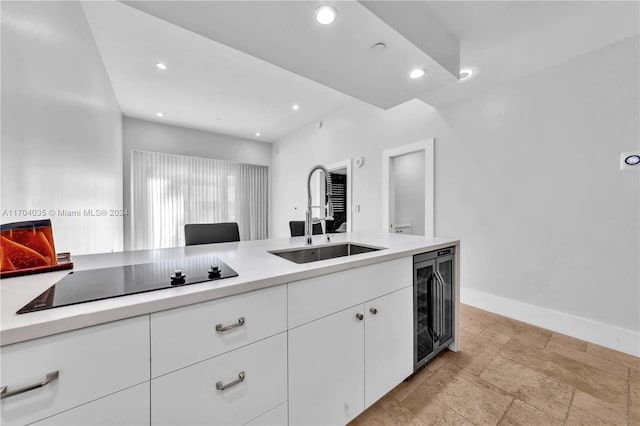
x=297 y=228
x=207 y=233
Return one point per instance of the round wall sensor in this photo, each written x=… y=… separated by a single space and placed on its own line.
x=358 y=161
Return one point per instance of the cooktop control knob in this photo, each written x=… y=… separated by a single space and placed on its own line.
x=178 y=277
x=214 y=271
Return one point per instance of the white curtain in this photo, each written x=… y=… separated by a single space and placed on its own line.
x=170 y=191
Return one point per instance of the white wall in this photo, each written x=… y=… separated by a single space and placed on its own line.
x=61 y=126
x=157 y=137
x=355 y=129
x=527 y=176
x=409 y=190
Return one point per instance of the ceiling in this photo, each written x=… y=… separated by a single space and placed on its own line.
x=507 y=40
x=238 y=67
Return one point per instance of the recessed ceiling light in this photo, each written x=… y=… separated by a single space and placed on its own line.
x=161 y=66
x=417 y=73
x=466 y=73
x=325 y=15
x=258 y=134
x=296 y=107
x=632 y=160
x=159 y=114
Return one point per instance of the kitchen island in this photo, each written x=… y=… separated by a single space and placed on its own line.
x=146 y=349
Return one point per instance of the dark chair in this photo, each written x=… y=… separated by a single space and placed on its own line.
x=297 y=228
x=207 y=233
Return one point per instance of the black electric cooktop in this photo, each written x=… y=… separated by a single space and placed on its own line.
x=105 y=283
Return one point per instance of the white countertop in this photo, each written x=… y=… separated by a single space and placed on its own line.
x=256 y=269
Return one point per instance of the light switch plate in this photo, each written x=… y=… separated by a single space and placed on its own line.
x=624 y=166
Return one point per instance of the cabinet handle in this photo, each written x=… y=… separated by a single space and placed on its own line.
x=4 y=393
x=359 y=316
x=373 y=311
x=239 y=380
x=221 y=328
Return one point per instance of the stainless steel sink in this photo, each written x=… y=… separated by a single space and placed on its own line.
x=316 y=253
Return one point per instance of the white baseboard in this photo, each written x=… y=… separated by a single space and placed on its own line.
x=619 y=339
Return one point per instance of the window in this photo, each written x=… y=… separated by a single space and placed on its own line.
x=170 y=191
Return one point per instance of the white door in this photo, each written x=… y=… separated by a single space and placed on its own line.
x=407 y=189
x=407 y=186
x=326 y=369
x=388 y=342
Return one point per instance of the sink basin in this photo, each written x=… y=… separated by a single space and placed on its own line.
x=316 y=253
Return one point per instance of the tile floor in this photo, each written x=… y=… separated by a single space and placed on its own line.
x=511 y=373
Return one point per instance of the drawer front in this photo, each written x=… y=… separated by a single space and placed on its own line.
x=314 y=298
x=190 y=396
x=91 y=363
x=184 y=336
x=127 y=407
x=275 y=417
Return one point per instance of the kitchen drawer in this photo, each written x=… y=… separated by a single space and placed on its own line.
x=92 y=362
x=190 y=396
x=127 y=407
x=275 y=417
x=317 y=297
x=184 y=336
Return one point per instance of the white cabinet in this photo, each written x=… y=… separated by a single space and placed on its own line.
x=388 y=343
x=316 y=297
x=326 y=369
x=275 y=417
x=184 y=336
x=130 y=406
x=342 y=363
x=230 y=389
x=90 y=363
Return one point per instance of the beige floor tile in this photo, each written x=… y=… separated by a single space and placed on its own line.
x=469 y=396
x=589 y=359
x=406 y=388
x=385 y=412
x=563 y=339
x=523 y=414
x=526 y=332
x=580 y=417
x=528 y=385
x=597 y=408
x=615 y=356
x=470 y=327
x=494 y=337
x=561 y=369
x=451 y=418
x=469 y=314
x=474 y=355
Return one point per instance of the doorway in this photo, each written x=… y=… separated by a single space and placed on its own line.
x=408 y=182
x=340 y=198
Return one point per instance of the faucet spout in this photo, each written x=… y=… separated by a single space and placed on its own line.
x=328 y=208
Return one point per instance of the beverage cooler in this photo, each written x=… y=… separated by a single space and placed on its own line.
x=433 y=304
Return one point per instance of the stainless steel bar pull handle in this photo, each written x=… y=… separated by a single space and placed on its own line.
x=5 y=393
x=441 y=307
x=221 y=328
x=239 y=380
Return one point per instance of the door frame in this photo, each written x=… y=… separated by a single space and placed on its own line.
x=427 y=146
x=344 y=164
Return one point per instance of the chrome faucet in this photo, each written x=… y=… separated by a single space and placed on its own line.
x=309 y=221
